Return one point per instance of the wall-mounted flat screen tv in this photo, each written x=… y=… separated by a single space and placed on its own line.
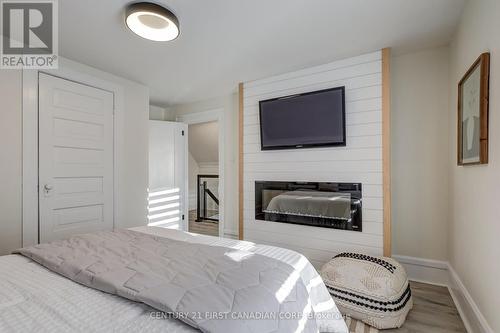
x=311 y=119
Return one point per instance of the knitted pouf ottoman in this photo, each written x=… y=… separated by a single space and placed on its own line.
x=371 y=289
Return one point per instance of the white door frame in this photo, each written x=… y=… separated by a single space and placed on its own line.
x=203 y=117
x=65 y=71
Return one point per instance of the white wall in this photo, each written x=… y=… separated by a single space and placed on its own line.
x=131 y=199
x=360 y=161
x=230 y=105
x=208 y=168
x=474 y=244
x=10 y=160
x=160 y=113
x=419 y=133
x=204 y=142
x=156 y=113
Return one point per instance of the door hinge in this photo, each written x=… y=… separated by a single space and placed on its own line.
x=183 y=217
x=182 y=132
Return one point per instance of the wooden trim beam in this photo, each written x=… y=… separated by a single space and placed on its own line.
x=386 y=148
x=240 y=161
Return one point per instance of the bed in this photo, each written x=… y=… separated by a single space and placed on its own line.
x=36 y=298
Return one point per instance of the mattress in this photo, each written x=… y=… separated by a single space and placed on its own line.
x=33 y=298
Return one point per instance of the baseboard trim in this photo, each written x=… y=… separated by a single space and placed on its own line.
x=425 y=270
x=441 y=273
x=229 y=233
x=472 y=317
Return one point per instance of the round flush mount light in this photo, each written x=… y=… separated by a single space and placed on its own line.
x=152 y=21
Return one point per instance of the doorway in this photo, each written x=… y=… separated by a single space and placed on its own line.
x=204 y=178
x=69 y=153
x=75 y=158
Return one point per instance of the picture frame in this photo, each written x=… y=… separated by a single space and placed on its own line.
x=473 y=105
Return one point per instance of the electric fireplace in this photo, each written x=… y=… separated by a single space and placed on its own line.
x=327 y=205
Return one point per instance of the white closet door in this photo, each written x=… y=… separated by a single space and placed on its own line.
x=167 y=203
x=75 y=158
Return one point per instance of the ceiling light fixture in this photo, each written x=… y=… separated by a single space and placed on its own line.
x=152 y=21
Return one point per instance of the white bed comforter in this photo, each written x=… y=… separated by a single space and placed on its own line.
x=199 y=282
x=34 y=299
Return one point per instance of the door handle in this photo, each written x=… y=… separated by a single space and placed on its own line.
x=47 y=188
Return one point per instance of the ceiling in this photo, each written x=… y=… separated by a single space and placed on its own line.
x=224 y=42
x=203 y=141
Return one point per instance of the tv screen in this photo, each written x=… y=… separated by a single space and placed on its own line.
x=306 y=120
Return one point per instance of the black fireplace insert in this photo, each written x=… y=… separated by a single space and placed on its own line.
x=327 y=205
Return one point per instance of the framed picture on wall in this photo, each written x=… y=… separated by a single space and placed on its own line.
x=473 y=95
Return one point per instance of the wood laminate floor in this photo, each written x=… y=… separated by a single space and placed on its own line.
x=433 y=312
x=205 y=227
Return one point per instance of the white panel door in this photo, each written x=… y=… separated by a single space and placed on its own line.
x=167 y=201
x=75 y=158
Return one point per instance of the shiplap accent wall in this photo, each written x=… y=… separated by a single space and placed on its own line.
x=360 y=161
